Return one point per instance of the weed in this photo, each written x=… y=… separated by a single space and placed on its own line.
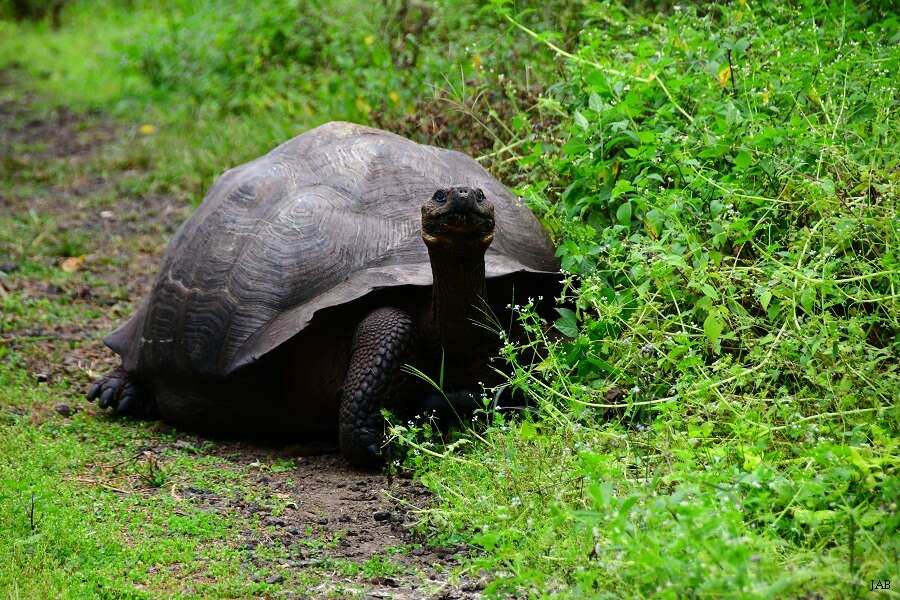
x=150 y=472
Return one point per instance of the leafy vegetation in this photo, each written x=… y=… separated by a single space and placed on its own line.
x=716 y=412
x=721 y=416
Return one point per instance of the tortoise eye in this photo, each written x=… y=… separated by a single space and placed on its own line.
x=440 y=197
x=479 y=195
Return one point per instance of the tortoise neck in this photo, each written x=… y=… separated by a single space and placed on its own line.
x=458 y=298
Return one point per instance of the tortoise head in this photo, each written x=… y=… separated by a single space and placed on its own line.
x=458 y=218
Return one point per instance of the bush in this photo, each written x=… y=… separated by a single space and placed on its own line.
x=721 y=417
x=336 y=58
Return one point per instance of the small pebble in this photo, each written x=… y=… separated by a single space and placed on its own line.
x=382 y=515
x=185 y=445
x=474 y=586
x=275 y=579
x=386 y=581
x=42 y=377
x=309 y=562
x=82 y=292
x=64 y=409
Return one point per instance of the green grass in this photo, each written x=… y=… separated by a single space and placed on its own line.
x=88 y=514
x=87 y=538
x=714 y=414
x=223 y=82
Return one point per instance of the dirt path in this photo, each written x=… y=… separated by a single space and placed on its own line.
x=71 y=186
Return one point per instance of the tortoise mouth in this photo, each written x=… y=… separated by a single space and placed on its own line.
x=458 y=230
x=458 y=217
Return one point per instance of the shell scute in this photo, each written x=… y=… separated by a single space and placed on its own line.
x=321 y=220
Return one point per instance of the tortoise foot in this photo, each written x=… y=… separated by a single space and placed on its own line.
x=381 y=346
x=119 y=390
x=365 y=450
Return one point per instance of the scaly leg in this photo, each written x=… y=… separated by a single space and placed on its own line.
x=382 y=345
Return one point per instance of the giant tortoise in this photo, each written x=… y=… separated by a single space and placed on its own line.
x=290 y=302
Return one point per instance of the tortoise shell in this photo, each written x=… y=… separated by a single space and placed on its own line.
x=321 y=220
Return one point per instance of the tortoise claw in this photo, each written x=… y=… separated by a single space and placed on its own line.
x=117 y=390
x=365 y=453
x=94 y=392
x=126 y=405
x=133 y=401
x=106 y=398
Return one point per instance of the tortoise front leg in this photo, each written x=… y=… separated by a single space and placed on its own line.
x=383 y=343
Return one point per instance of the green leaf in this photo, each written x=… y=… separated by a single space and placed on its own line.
x=567 y=324
x=520 y=122
x=808 y=299
x=527 y=431
x=581 y=121
x=623 y=214
x=622 y=186
x=712 y=327
x=655 y=219
x=742 y=160
x=602 y=365
x=487 y=540
x=751 y=461
x=764 y=299
x=714 y=151
x=596 y=81
x=709 y=291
